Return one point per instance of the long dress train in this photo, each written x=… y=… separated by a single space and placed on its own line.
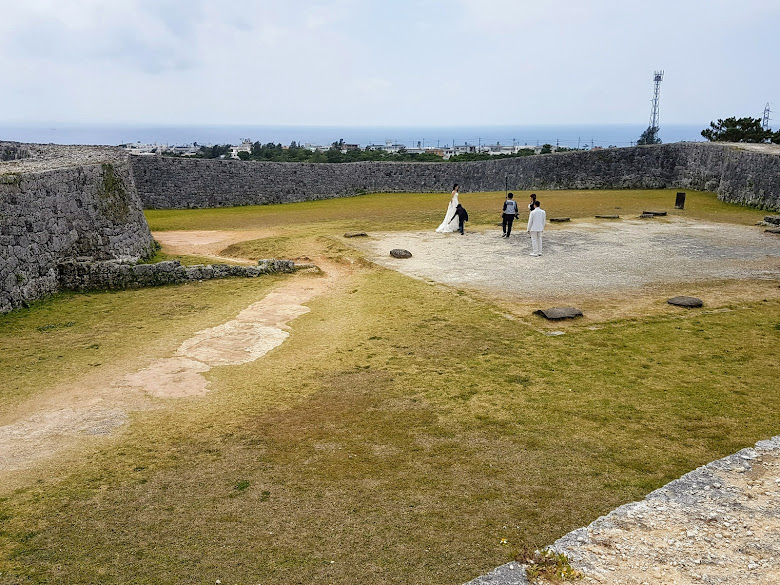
x=450 y=223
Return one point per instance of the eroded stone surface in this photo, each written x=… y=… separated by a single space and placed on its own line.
x=717 y=524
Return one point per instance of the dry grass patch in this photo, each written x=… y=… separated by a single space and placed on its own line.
x=402 y=432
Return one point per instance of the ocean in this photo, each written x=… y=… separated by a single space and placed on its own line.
x=571 y=136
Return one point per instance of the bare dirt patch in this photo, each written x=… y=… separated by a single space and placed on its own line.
x=208 y=243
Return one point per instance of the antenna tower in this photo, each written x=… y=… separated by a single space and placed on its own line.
x=657 y=78
x=766 y=118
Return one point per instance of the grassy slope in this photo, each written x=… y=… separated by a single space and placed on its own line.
x=402 y=431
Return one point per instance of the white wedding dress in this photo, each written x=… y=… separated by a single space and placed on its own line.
x=450 y=223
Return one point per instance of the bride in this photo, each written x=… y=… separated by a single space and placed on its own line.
x=450 y=223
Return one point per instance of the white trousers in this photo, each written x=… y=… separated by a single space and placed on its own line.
x=536 y=242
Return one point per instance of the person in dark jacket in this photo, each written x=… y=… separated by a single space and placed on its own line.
x=463 y=217
x=508 y=214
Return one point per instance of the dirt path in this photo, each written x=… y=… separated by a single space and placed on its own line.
x=98 y=407
x=208 y=243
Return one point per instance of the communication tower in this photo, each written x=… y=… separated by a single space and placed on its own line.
x=766 y=118
x=657 y=78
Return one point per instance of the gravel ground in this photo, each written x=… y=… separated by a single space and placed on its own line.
x=717 y=524
x=582 y=257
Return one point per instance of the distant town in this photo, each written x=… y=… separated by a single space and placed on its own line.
x=390 y=150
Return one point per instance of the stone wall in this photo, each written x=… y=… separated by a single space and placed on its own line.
x=734 y=173
x=54 y=208
x=86 y=274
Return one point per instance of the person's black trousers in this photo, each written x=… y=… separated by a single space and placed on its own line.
x=460 y=226
x=506 y=225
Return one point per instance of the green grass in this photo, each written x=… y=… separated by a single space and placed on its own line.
x=407 y=211
x=398 y=435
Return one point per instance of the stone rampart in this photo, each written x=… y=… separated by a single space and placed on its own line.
x=58 y=203
x=733 y=172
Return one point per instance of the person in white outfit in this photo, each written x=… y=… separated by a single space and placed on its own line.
x=536 y=221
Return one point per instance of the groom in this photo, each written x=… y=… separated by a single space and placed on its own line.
x=536 y=221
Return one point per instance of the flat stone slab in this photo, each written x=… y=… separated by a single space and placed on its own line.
x=646 y=215
x=690 y=302
x=773 y=219
x=400 y=253
x=607 y=217
x=560 y=219
x=557 y=313
x=355 y=235
x=658 y=213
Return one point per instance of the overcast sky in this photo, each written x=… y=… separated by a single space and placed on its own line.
x=385 y=62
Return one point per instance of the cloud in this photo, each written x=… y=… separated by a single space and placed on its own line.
x=441 y=62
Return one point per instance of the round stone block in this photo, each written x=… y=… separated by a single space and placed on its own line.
x=690 y=302
x=400 y=253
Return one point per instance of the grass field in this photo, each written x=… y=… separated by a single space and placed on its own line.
x=399 y=434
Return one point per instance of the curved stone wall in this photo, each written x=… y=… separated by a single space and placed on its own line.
x=50 y=212
x=735 y=174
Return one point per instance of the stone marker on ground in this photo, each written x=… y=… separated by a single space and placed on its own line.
x=400 y=253
x=658 y=213
x=679 y=203
x=773 y=219
x=607 y=217
x=560 y=219
x=646 y=215
x=556 y=313
x=355 y=234
x=689 y=302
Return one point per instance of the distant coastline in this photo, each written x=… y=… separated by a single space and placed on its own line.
x=569 y=136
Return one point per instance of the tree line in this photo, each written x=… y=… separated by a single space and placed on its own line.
x=275 y=152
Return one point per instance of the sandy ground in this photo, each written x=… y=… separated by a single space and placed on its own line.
x=207 y=243
x=583 y=258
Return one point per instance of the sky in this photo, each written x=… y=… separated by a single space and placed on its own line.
x=385 y=62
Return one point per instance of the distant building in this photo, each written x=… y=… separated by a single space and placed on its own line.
x=245 y=146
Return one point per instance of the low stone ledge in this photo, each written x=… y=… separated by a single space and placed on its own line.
x=87 y=274
x=699 y=500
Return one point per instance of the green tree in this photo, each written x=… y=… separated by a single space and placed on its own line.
x=649 y=136
x=546 y=149
x=737 y=130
